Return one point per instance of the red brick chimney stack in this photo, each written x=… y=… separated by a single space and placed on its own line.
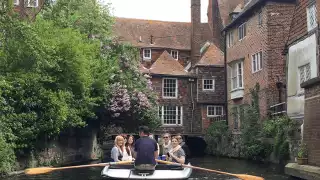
x=195 y=30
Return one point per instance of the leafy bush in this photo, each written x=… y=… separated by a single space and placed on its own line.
x=216 y=136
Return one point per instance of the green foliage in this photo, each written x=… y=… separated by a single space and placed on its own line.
x=54 y=75
x=303 y=151
x=216 y=136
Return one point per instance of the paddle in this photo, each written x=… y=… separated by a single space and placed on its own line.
x=43 y=170
x=240 y=176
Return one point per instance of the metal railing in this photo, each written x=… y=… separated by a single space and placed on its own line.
x=218 y=118
x=278 y=109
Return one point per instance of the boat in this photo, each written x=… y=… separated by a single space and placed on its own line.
x=162 y=171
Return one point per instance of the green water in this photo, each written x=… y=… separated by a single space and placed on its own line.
x=269 y=172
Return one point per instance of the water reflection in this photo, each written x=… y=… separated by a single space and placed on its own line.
x=269 y=172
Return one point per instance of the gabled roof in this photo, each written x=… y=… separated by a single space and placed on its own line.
x=175 y=35
x=212 y=56
x=166 y=65
x=238 y=9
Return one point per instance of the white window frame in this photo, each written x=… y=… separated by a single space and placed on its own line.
x=215 y=111
x=16 y=2
x=163 y=88
x=256 y=61
x=213 y=84
x=161 y=110
x=306 y=76
x=230 y=39
x=31 y=5
x=144 y=54
x=312 y=13
x=242 y=31
x=175 y=51
x=237 y=76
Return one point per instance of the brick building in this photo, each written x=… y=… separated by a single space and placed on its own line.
x=185 y=63
x=255 y=37
x=303 y=74
x=28 y=8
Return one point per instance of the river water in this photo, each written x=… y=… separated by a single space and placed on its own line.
x=269 y=172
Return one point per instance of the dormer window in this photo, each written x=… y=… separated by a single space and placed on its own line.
x=31 y=3
x=175 y=54
x=146 y=53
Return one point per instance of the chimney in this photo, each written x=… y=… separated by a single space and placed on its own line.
x=195 y=31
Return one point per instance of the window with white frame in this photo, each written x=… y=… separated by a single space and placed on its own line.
x=312 y=17
x=16 y=2
x=257 y=62
x=304 y=75
x=146 y=53
x=31 y=3
x=175 y=54
x=230 y=38
x=171 y=115
x=208 y=84
x=237 y=75
x=242 y=31
x=213 y=111
x=170 y=88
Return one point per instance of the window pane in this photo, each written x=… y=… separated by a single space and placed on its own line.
x=219 y=110
x=169 y=115
x=169 y=87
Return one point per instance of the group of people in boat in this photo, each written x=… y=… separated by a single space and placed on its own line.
x=146 y=149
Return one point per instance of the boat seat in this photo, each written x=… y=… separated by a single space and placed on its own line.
x=158 y=167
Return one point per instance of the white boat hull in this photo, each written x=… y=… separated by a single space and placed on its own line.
x=161 y=172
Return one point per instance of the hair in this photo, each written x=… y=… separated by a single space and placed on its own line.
x=174 y=137
x=127 y=143
x=117 y=139
x=168 y=134
x=144 y=129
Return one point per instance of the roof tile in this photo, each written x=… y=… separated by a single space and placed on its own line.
x=212 y=56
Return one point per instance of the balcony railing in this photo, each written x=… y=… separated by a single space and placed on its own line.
x=278 y=109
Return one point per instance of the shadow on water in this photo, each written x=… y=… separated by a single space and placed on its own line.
x=268 y=171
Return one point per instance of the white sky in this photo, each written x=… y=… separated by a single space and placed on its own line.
x=166 y=10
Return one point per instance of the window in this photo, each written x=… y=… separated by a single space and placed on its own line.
x=236 y=75
x=208 y=84
x=256 y=62
x=304 y=73
x=170 y=88
x=260 y=18
x=175 y=54
x=171 y=115
x=31 y=3
x=146 y=53
x=230 y=38
x=16 y=2
x=214 y=111
x=242 y=31
x=312 y=17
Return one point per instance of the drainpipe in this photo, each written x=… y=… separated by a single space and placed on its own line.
x=225 y=77
x=192 y=101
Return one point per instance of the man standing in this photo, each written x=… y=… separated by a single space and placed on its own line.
x=146 y=150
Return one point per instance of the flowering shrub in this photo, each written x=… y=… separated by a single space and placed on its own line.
x=120 y=100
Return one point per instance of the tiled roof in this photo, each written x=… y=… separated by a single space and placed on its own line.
x=143 y=69
x=175 y=35
x=166 y=65
x=212 y=56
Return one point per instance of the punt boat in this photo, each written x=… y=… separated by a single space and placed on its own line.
x=162 y=171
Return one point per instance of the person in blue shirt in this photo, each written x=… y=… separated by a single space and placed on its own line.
x=146 y=150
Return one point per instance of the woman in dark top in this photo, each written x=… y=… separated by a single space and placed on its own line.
x=130 y=146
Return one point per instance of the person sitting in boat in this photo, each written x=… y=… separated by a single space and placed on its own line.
x=117 y=150
x=146 y=150
x=176 y=153
x=184 y=146
x=166 y=146
x=129 y=147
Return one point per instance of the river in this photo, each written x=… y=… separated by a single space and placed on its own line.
x=269 y=172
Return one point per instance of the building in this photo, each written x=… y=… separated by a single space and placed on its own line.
x=255 y=39
x=185 y=63
x=28 y=8
x=303 y=75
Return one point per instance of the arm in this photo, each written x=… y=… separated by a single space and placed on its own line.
x=114 y=154
x=180 y=157
x=156 y=152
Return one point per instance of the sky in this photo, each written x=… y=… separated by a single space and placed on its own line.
x=165 y=10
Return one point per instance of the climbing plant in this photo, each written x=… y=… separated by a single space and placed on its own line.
x=217 y=137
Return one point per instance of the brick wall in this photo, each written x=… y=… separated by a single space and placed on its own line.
x=28 y=12
x=183 y=57
x=311 y=127
x=269 y=38
x=218 y=95
x=185 y=97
